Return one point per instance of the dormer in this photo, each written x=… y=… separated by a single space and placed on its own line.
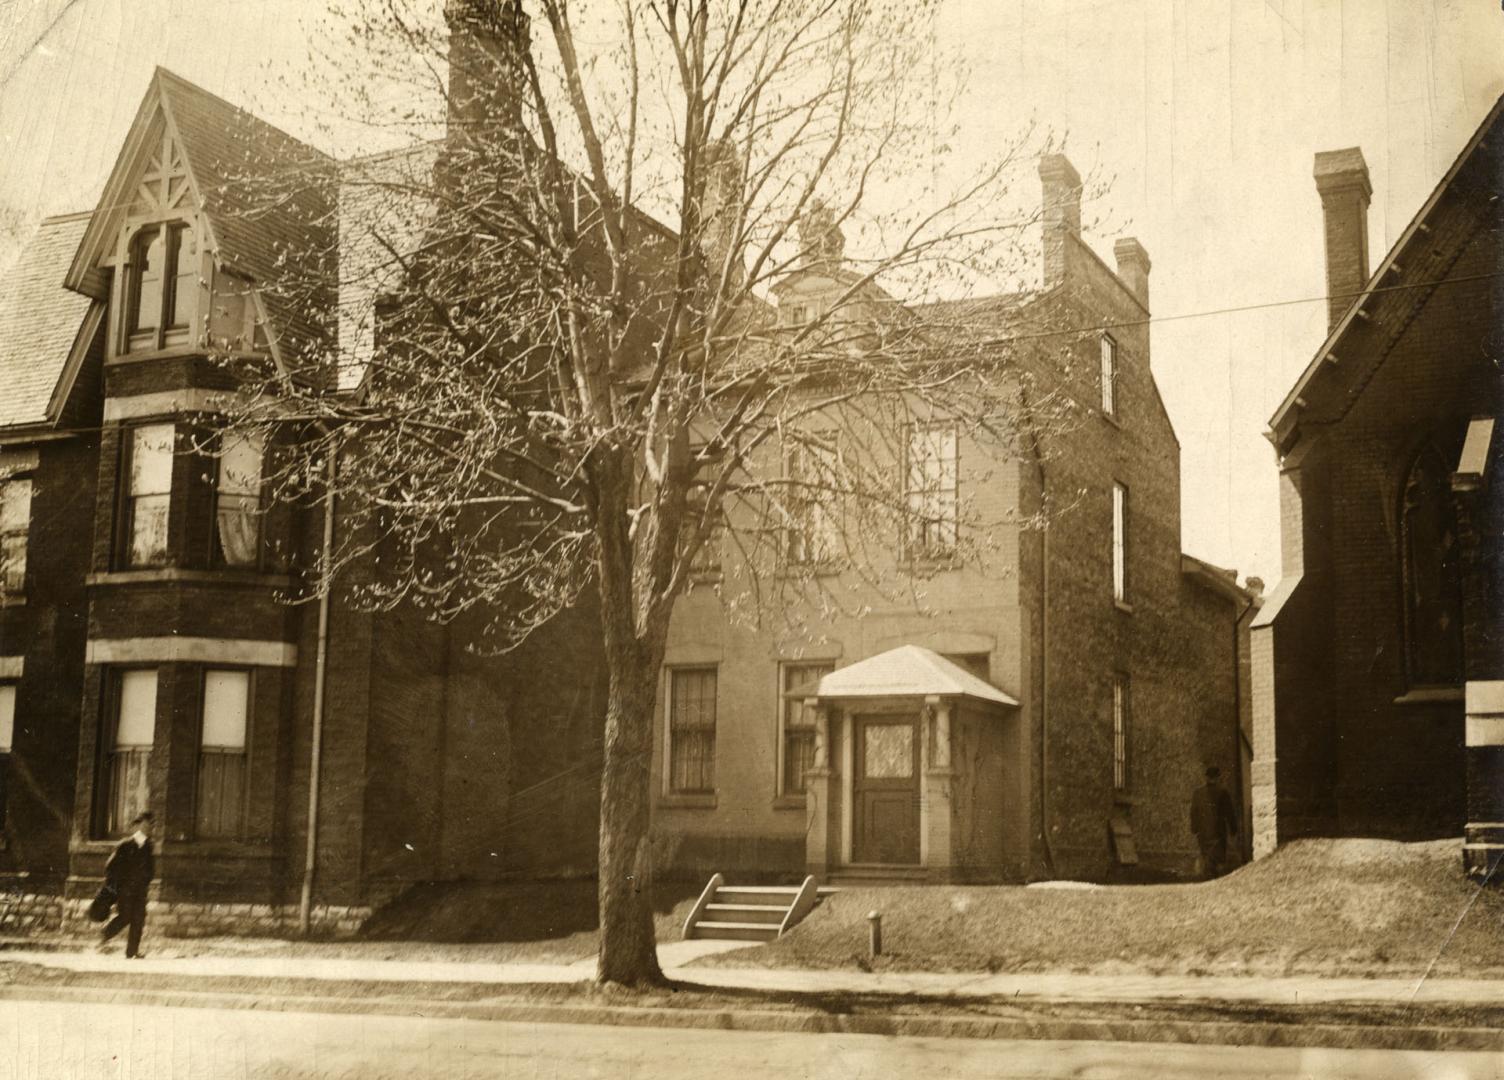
x=180 y=248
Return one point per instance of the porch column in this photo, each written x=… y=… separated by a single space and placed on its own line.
x=938 y=792
x=821 y=800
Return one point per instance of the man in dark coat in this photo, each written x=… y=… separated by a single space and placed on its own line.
x=129 y=871
x=1213 y=819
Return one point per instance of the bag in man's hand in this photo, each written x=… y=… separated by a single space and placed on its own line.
x=104 y=900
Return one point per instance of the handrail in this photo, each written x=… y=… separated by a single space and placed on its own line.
x=706 y=897
x=803 y=904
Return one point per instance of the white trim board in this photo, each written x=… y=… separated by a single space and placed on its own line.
x=191 y=650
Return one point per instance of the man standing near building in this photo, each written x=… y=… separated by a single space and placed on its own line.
x=1213 y=819
x=129 y=871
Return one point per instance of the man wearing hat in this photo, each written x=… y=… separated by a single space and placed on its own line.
x=1213 y=819
x=130 y=870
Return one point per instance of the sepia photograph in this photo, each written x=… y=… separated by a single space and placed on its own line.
x=816 y=539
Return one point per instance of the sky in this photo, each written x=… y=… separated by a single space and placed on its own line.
x=1204 y=115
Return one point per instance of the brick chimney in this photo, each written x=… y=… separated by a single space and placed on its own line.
x=1342 y=182
x=1062 y=212
x=1133 y=267
x=485 y=37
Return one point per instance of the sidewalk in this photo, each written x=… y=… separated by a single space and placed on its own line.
x=676 y=956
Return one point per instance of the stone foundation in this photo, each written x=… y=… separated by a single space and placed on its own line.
x=34 y=914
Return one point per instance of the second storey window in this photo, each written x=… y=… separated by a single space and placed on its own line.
x=221 y=760
x=7 y=740
x=163 y=273
x=132 y=716
x=15 y=519
x=691 y=730
x=1120 y=543
x=813 y=533
x=930 y=491
x=148 y=494
x=237 y=502
x=1109 y=375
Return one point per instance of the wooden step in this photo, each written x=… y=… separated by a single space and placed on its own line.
x=749 y=913
x=736 y=931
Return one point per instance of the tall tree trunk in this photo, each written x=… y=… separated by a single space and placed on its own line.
x=628 y=952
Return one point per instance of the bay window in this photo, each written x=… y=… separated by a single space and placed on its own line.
x=148 y=495
x=222 y=754
x=237 y=502
x=132 y=721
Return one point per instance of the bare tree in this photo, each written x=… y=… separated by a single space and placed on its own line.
x=541 y=389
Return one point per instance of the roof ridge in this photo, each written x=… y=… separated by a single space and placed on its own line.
x=188 y=84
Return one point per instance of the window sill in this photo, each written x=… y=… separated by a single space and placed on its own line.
x=1112 y=418
x=1430 y=695
x=932 y=564
x=12 y=600
x=175 y=349
x=789 y=802
x=706 y=801
x=1123 y=799
x=1123 y=606
x=173 y=575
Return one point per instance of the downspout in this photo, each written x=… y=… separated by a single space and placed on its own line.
x=1245 y=840
x=1044 y=686
x=320 y=678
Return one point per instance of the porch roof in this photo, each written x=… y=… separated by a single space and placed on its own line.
x=907 y=671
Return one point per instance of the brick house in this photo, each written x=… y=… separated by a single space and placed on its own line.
x=164 y=645
x=1049 y=711
x=159 y=644
x=1377 y=660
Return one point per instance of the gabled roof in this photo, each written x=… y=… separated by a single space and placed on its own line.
x=250 y=233
x=42 y=324
x=1380 y=301
x=907 y=671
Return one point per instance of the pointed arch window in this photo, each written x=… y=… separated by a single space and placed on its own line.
x=163 y=276
x=1431 y=571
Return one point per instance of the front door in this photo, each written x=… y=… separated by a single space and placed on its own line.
x=885 y=796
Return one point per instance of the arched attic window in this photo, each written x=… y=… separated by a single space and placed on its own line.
x=1431 y=570
x=163 y=269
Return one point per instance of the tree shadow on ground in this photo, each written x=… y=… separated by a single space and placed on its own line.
x=469 y=913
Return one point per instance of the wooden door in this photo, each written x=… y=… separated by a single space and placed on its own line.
x=885 y=795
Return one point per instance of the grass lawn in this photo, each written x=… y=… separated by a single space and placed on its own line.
x=1332 y=907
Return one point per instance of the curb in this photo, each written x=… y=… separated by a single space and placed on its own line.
x=1222 y=1033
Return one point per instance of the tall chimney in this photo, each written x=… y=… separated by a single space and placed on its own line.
x=1062 y=212
x=485 y=77
x=1133 y=267
x=1342 y=181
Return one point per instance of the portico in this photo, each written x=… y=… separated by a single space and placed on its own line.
x=908 y=768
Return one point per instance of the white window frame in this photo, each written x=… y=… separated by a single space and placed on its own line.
x=931 y=500
x=9 y=690
x=135 y=435
x=1122 y=733
x=220 y=751
x=1109 y=375
x=813 y=536
x=811 y=670
x=670 y=788
x=114 y=818
x=15 y=524
x=240 y=496
x=1120 y=545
